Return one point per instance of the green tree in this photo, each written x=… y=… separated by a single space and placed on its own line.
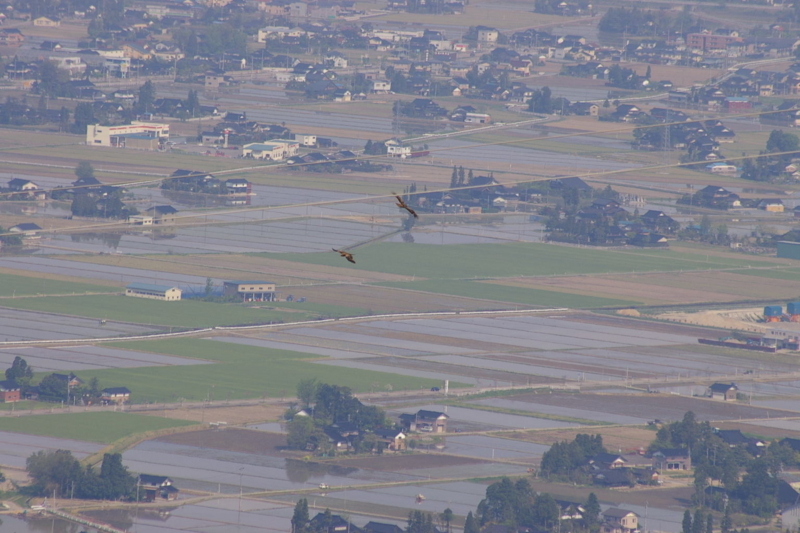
x=709 y=523
x=698 y=522
x=118 y=482
x=687 y=522
x=307 y=391
x=545 y=512
x=300 y=517
x=84 y=115
x=53 y=389
x=147 y=95
x=726 y=524
x=471 y=525
x=193 y=103
x=591 y=515
x=20 y=372
x=454 y=178
x=447 y=517
x=52 y=81
x=782 y=142
x=83 y=205
x=209 y=290
x=705 y=225
x=57 y=470
x=300 y=432
x=541 y=101
x=84 y=170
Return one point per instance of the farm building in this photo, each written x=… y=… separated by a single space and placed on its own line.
x=672 y=459
x=154 y=292
x=425 y=421
x=789 y=249
x=249 y=291
x=156 y=487
x=9 y=391
x=27 y=229
x=723 y=391
x=118 y=395
x=162 y=214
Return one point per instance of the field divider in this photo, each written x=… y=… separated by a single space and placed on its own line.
x=420 y=314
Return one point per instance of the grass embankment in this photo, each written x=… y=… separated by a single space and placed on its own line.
x=240 y=372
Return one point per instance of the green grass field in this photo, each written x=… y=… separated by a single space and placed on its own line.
x=505 y=293
x=105 y=427
x=185 y=313
x=12 y=285
x=791 y=274
x=464 y=261
x=241 y=372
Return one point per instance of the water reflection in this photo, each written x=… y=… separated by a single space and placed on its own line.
x=299 y=471
x=35 y=524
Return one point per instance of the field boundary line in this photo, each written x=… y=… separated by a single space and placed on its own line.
x=421 y=314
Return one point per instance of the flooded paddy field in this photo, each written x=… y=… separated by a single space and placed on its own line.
x=201 y=461
x=17 y=447
x=122 y=274
x=19 y=325
x=245 y=515
x=627 y=409
x=521 y=350
x=305 y=235
x=74 y=358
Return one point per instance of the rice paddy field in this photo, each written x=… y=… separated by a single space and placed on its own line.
x=576 y=367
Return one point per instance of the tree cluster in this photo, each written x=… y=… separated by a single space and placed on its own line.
x=516 y=504
x=20 y=373
x=328 y=405
x=61 y=473
x=567 y=460
x=771 y=168
x=750 y=483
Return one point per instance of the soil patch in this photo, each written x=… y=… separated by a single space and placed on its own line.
x=627 y=439
x=763 y=431
x=232 y=440
x=620 y=322
x=400 y=463
x=650 y=406
x=233 y=416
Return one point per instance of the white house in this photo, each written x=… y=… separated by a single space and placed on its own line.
x=487 y=35
x=381 y=86
x=305 y=139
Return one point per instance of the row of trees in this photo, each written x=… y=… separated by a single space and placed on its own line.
x=60 y=473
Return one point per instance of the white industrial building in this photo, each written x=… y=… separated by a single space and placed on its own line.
x=98 y=135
